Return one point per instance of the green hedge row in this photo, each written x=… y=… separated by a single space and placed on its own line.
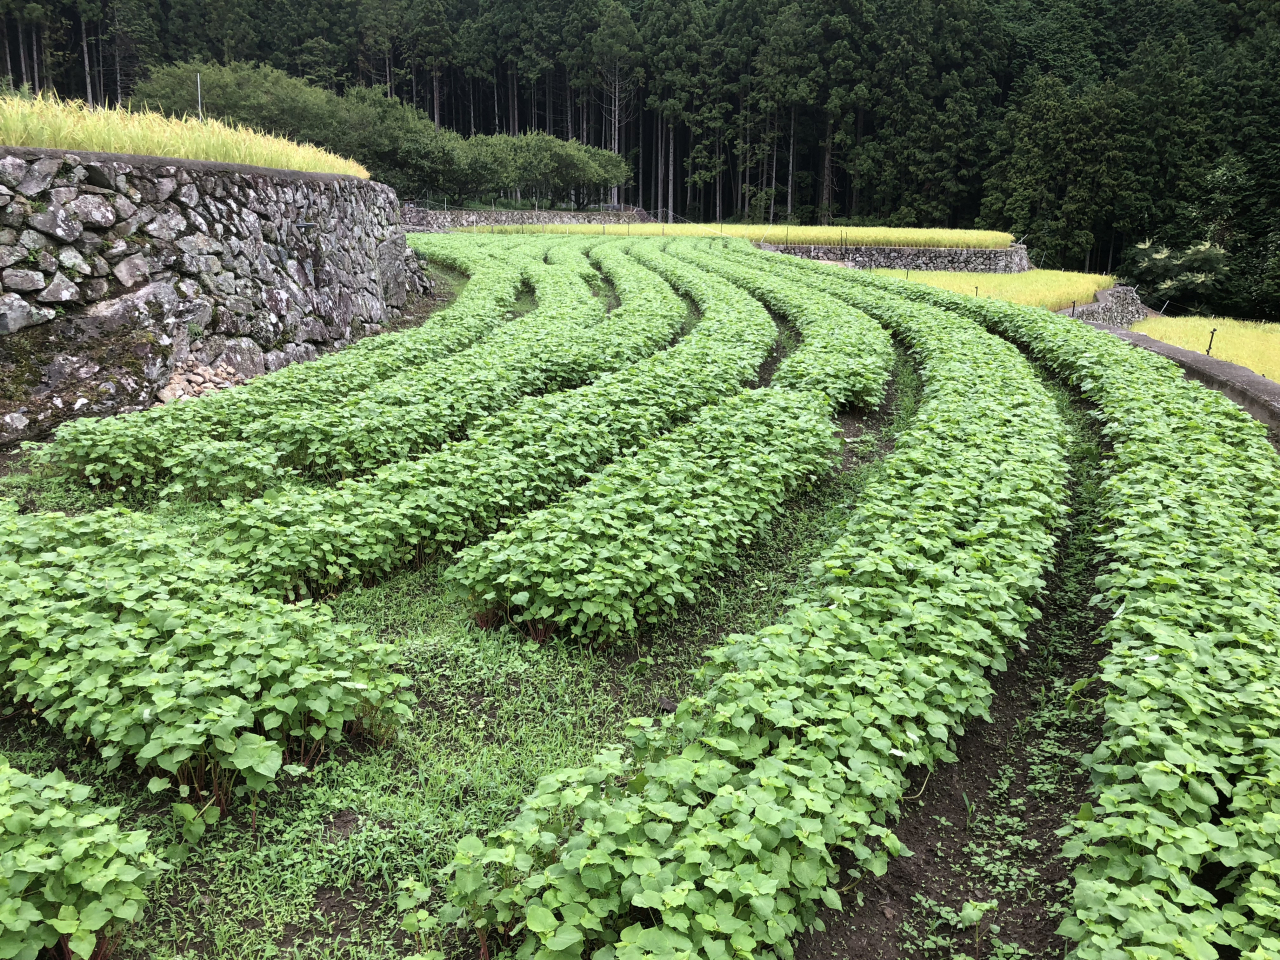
x=134 y=451
x=845 y=354
x=719 y=838
x=1182 y=845
x=115 y=630
x=514 y=461
x=69 y=876
x=635 y=541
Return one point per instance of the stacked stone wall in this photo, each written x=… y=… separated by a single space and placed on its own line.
x=1116 y=307
x=116 y=270
x=1011 y=259
x=441 y=221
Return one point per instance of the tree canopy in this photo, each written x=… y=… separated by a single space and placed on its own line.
x=1088 y=127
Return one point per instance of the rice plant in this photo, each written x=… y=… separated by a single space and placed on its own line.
x=1054 y=289
x=1252 y=345
x=49 y=121
x=780 y=234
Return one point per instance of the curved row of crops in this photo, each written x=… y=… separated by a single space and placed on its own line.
x=642 y=535
x=718 y=839
x=1182 y=855
x=846 y=355
x=516 y=460
x=417 y=409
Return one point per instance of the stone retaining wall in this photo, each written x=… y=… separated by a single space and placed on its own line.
x=1117 y=307
x=442 y=221
x=115 y=269
x=1011 y=259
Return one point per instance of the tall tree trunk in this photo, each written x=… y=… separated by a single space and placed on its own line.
x=719 y=183
x=686 y=172
x=660 y=134
x=8 y=57
x=119 y=85
x=35 y=59
x=640 y=141
x=857 y=180
x=513 y=90
x=88 y=76
x=773 y=187
x=791 y=164
x=435 y=91
x=568 y=105
x=617 y=128
x=22 y=55
x=102 y=86
x=497 y=121
x=826 y=177
x=671 y=173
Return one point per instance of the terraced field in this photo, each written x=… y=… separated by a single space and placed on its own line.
x=659 y=597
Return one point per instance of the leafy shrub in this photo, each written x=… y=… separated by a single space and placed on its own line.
x=113 y=630
x=636 y=540
x=68 y=873
x=1190 y=277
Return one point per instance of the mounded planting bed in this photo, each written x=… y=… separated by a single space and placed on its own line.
x=658 y=597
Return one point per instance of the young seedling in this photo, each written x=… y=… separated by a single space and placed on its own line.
x=971 y=915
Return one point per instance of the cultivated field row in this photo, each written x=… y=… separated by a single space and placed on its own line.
x=583 y=469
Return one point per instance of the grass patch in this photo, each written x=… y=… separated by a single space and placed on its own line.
x=1053 y=289
x=48 y=121
x=1252 y=345
x=784 y=234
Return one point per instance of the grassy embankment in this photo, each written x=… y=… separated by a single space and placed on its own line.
x=1054 y=289
x=1252 y=345
x=763 y=233
x=71 y=125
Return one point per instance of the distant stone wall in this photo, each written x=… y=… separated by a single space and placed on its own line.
x=442 y=221
x=1011 y=259
x=115 y=270
x=1117 y=307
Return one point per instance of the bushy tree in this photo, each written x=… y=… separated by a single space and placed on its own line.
x=400 y=145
